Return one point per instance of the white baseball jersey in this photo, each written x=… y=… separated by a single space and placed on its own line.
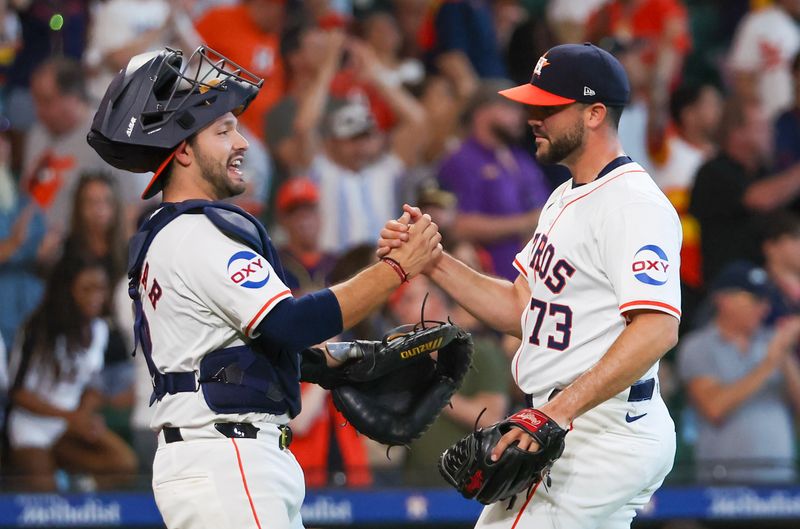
x=599 y=250
x=202 y=291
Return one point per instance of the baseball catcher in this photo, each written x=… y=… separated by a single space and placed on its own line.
x=467 y=465
x=392 y=390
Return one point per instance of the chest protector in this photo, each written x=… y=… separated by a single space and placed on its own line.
x=241 y=379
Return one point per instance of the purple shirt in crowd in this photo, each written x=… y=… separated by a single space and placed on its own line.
x=487 y=185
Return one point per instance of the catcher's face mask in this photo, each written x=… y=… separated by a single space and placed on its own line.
x=162 y=98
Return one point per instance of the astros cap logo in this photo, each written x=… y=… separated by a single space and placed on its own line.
x=541 y=63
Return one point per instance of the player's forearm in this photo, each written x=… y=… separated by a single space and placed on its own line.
x=488 y=228
x=364 y=293
x=643 y=342
x=492 y=300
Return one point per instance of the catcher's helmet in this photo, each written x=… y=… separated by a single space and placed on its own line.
x=159 y=100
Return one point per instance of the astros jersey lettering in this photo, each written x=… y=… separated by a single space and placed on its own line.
x=599 y=250
x=202 y=291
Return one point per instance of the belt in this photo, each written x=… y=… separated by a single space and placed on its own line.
x=641 y=391
x=233 y=430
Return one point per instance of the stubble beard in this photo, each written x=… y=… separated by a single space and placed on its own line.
x=216 y=175
x=562 y=148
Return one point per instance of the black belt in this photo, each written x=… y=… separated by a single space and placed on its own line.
x=641 y=391
x=233 y=430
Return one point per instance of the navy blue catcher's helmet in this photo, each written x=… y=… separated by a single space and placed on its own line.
x=159 y=100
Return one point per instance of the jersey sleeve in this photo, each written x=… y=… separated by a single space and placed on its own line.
x=641 y=255
x=523 y=258
x=233 y=281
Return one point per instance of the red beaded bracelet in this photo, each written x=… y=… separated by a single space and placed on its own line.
x=396 y=267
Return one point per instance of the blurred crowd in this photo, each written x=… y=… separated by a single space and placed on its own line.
x=368 y=104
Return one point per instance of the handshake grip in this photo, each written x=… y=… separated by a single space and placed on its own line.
x=421 y=247
x=468 y=467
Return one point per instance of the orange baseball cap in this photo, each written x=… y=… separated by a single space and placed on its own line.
x=296 y=192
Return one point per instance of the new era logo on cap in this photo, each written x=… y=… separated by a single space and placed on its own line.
x=574 y=72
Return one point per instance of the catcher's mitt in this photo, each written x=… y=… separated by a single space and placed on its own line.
x=396 y=390
x=467 y=465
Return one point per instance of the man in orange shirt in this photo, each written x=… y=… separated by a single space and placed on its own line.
x=256 y=25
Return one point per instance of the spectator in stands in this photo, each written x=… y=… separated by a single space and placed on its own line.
x=21 y=232
x=357 y=170
x=56 y=149
x=782 y=261
x=38 y=43
x=330 y=451
x=98 y=228
x=734 y=190
x=414 y=21
x=53 y=421
x=643 y=117
x=467 y=25
x=499 y=187
x=441 y=205
x=380 y=31
x=760 y=56
x=686 y=144
x=695 y=112
x=305 y=265
x=484 y=392
x=3 y=391
x=347 y=265
x=569 y=18
x=312 y=58
x=739 y=375
x=121 y=29
x=445 y=97
x=787 y=127
x=532 y=36
x=256 y=25
x=98 y=232
x=660 y=26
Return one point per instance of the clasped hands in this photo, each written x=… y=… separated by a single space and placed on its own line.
x=413 y=240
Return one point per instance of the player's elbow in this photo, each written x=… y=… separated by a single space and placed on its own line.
x=661 y=328
x=671 y=333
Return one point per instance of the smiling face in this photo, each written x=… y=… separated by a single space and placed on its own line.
x=218 y=151
x=559 y=131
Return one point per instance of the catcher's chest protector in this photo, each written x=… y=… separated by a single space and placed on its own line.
x=235 y=379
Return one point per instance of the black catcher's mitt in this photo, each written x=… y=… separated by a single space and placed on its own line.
x=396 y=391
x=467 y=465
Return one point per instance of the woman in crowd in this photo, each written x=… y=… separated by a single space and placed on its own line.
x=53 y=421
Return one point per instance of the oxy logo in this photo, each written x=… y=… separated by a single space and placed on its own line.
x=248 y=270
x=650 y=265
